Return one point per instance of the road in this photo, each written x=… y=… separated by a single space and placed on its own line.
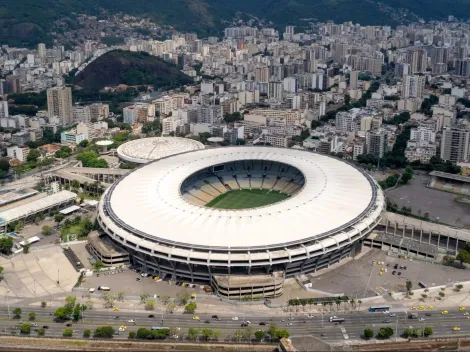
x=351 y=329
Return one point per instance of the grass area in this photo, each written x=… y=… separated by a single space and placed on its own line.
x=246 y=199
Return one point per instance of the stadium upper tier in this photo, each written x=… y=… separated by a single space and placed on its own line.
x=332 y=198
x=144 y=150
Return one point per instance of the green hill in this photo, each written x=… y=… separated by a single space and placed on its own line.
x=27 y=22
x=131 y=68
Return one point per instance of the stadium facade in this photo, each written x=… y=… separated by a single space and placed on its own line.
x=158 y=214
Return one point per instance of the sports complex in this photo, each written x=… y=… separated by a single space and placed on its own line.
x=241 y=219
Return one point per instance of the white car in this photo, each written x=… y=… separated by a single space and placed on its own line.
x=235 y=318
x=122 y=329
x=131 y=321
x=421 y=319
x=386 y=312
x=289 y=324
x=392 y=315
x=247 y=322
x=465 y=314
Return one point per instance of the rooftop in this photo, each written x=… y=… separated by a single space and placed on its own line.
x=335 y=196
x=144 y=150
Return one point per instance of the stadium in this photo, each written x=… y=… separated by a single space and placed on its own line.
x=241 y=219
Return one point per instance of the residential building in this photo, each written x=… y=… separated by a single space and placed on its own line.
x=413 y=86
x=3 y=109
x=353 y=79
x=59 y=104
x=99 y=111
x=345 y=121
x=277 y=140
x=138 y=113
x=455 y=143
x=422 y=134
x=19 y=153
x=377 y=143
x=420 y=150
x=81 y=114
x=75 y=136
x=20 y=138
x=462 y=67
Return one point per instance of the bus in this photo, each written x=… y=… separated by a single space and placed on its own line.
x=159 y=328
x=335 y=319
x=104 y=288
x=379 y=308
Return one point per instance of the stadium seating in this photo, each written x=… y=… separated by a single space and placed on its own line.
x=206 y=185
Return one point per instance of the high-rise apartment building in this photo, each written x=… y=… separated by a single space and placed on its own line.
x=42 y=50
x=455 y=143
x=345 y=122
x=99 y=111
x=3 y=109
x=418 y=59
x=262 y=74
x=13 y=84
x=377 y=143
x=275 y=90
x=462 y=67
x=413 y=86
x=353 y=79
x=59 y=104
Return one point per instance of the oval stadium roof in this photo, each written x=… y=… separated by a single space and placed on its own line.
x=148 y=201
x=144 y=150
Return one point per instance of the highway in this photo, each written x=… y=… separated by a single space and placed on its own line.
x=351 y=329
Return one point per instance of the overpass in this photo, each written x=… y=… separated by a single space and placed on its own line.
x=85 y=175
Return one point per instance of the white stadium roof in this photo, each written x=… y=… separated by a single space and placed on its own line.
x=144 y=150
x=148 y=201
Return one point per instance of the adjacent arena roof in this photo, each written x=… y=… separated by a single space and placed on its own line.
x=142 y=151
x=335 y=198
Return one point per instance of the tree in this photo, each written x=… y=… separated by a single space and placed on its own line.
x=282 y=333
x=120 y=296
x=150 y=304
x=33 y=155
x=67 y=332
x=19 y=226
x=6 y=244
x=407 y=332
x=25 y=328
x=26 y=248
x=47 y=230
x=338 y=303
x=441 y=294
x=104 y=331
x=368 y=333
x=448 y=259
x=260 y=335
x=132 y=334
x=86 y=333
x=272 y=330
x=193 y=333
x=17 y=313
x=463 y=256
x=70 y=301
x=58 y=218
x=41 y=331
x=409 y=285
x=62 y=313
x=1 y=270
x=43 y=304
x=417 y=332
x=183 y=297
x=98 y=265
x=170 y=308
x=143 y=333
x=143 y=297
x=32 y=316
x=210 y=334
x=385 y=333
x=428 y=331
x=78 y=311
x=247 y=332
x=84 y=143
x=191 y=307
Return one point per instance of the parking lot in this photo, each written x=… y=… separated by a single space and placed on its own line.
x=440 y=205
x=361 y=278
x=127 y=282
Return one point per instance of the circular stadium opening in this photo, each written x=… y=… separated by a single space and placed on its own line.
x=242 y=184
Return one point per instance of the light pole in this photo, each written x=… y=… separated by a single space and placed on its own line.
x=396 y=328
x=8 y=303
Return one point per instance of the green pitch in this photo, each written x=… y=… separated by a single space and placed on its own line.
x=246 y=198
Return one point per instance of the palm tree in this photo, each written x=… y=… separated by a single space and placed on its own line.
x=353 y=303
x=331 y=305
x=359 y=302
x=338 y=303
x=324 y=305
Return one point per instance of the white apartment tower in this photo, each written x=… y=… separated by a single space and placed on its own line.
x=413 y=86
